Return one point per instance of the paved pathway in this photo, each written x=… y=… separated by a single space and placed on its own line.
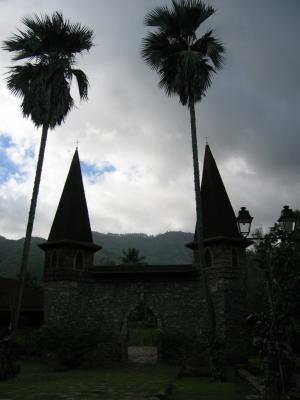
x=142 y=354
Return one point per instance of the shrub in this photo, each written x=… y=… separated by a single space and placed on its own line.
x=69 y=343
x=181 y=348
x=195 y=354
x=30 y=344
x=8 y=367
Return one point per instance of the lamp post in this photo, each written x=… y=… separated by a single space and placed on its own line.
x=274 y=324
x=286 y=220
x=244 y=221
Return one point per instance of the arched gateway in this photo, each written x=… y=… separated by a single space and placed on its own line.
x=76 y=289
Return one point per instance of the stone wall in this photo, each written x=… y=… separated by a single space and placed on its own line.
x=108 y=294
x=176 y=302
x=228 y=287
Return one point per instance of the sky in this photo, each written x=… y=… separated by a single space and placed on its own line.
x=134 y=142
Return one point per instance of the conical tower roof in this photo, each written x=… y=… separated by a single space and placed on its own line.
x=219 y=221
x=71 y=222
x=218 y=216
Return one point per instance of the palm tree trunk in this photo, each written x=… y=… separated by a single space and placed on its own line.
x=199 y=225
x=26 y=247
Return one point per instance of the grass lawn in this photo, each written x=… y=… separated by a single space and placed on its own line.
x=204 y=389
x=38 y=382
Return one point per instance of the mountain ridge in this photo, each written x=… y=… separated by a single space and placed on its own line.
x=164 y=248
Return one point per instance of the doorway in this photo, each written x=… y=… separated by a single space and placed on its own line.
x=142 y=335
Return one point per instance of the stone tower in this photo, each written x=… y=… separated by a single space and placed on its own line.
x=69 y=251
x=224 y=252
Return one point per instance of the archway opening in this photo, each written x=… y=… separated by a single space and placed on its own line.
x=143 y=335
x=208 y=258
x=78 y=261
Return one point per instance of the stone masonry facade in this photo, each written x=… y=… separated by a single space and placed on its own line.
x=174 y=294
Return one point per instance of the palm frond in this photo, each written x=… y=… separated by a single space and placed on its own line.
x=18 y=80
x=182 y=20
x=158 y=17
x=211 y=47
x=155 y=47
x=195 y=9
x=49 y=36
x=169 y=76
x=164 y=20
x=190 y=14
x=83 y=83
x=61 y=101
x=216 y=51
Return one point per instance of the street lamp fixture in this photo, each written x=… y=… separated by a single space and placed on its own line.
x=244 y=221
x=287 y=219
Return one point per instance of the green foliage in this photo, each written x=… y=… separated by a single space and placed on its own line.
x=255 y=284
x=181 y=347
x=184 y=61
x=11 y=251
x=69 y=342
x=142 y=327
x=142 y=315
x=8 y=367
x=166 y=248
x=279 y=258
x=30 y=344
x=254 y=365
x=31 y=281
x=195 y=388
x=38 y=381
x=217 y=360
x=196 y=356
x=132 y=256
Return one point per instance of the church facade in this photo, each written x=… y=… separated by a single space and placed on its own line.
x=78 y=291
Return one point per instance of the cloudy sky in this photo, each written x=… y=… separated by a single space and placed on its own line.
x=134 y=142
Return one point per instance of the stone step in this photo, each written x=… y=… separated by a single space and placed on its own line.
x=142 y=354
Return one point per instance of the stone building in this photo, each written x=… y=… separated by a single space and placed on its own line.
x=77 y=290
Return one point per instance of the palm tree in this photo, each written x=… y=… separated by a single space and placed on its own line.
x=185 y=63
x=132 y=256
x=49 y=44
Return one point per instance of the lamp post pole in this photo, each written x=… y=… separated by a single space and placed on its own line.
x=272 y=349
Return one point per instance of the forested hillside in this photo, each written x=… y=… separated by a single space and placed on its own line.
x=166 y=248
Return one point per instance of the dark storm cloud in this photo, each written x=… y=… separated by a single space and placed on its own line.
x=252 y=110
x=250 y=115
x=257 y=96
